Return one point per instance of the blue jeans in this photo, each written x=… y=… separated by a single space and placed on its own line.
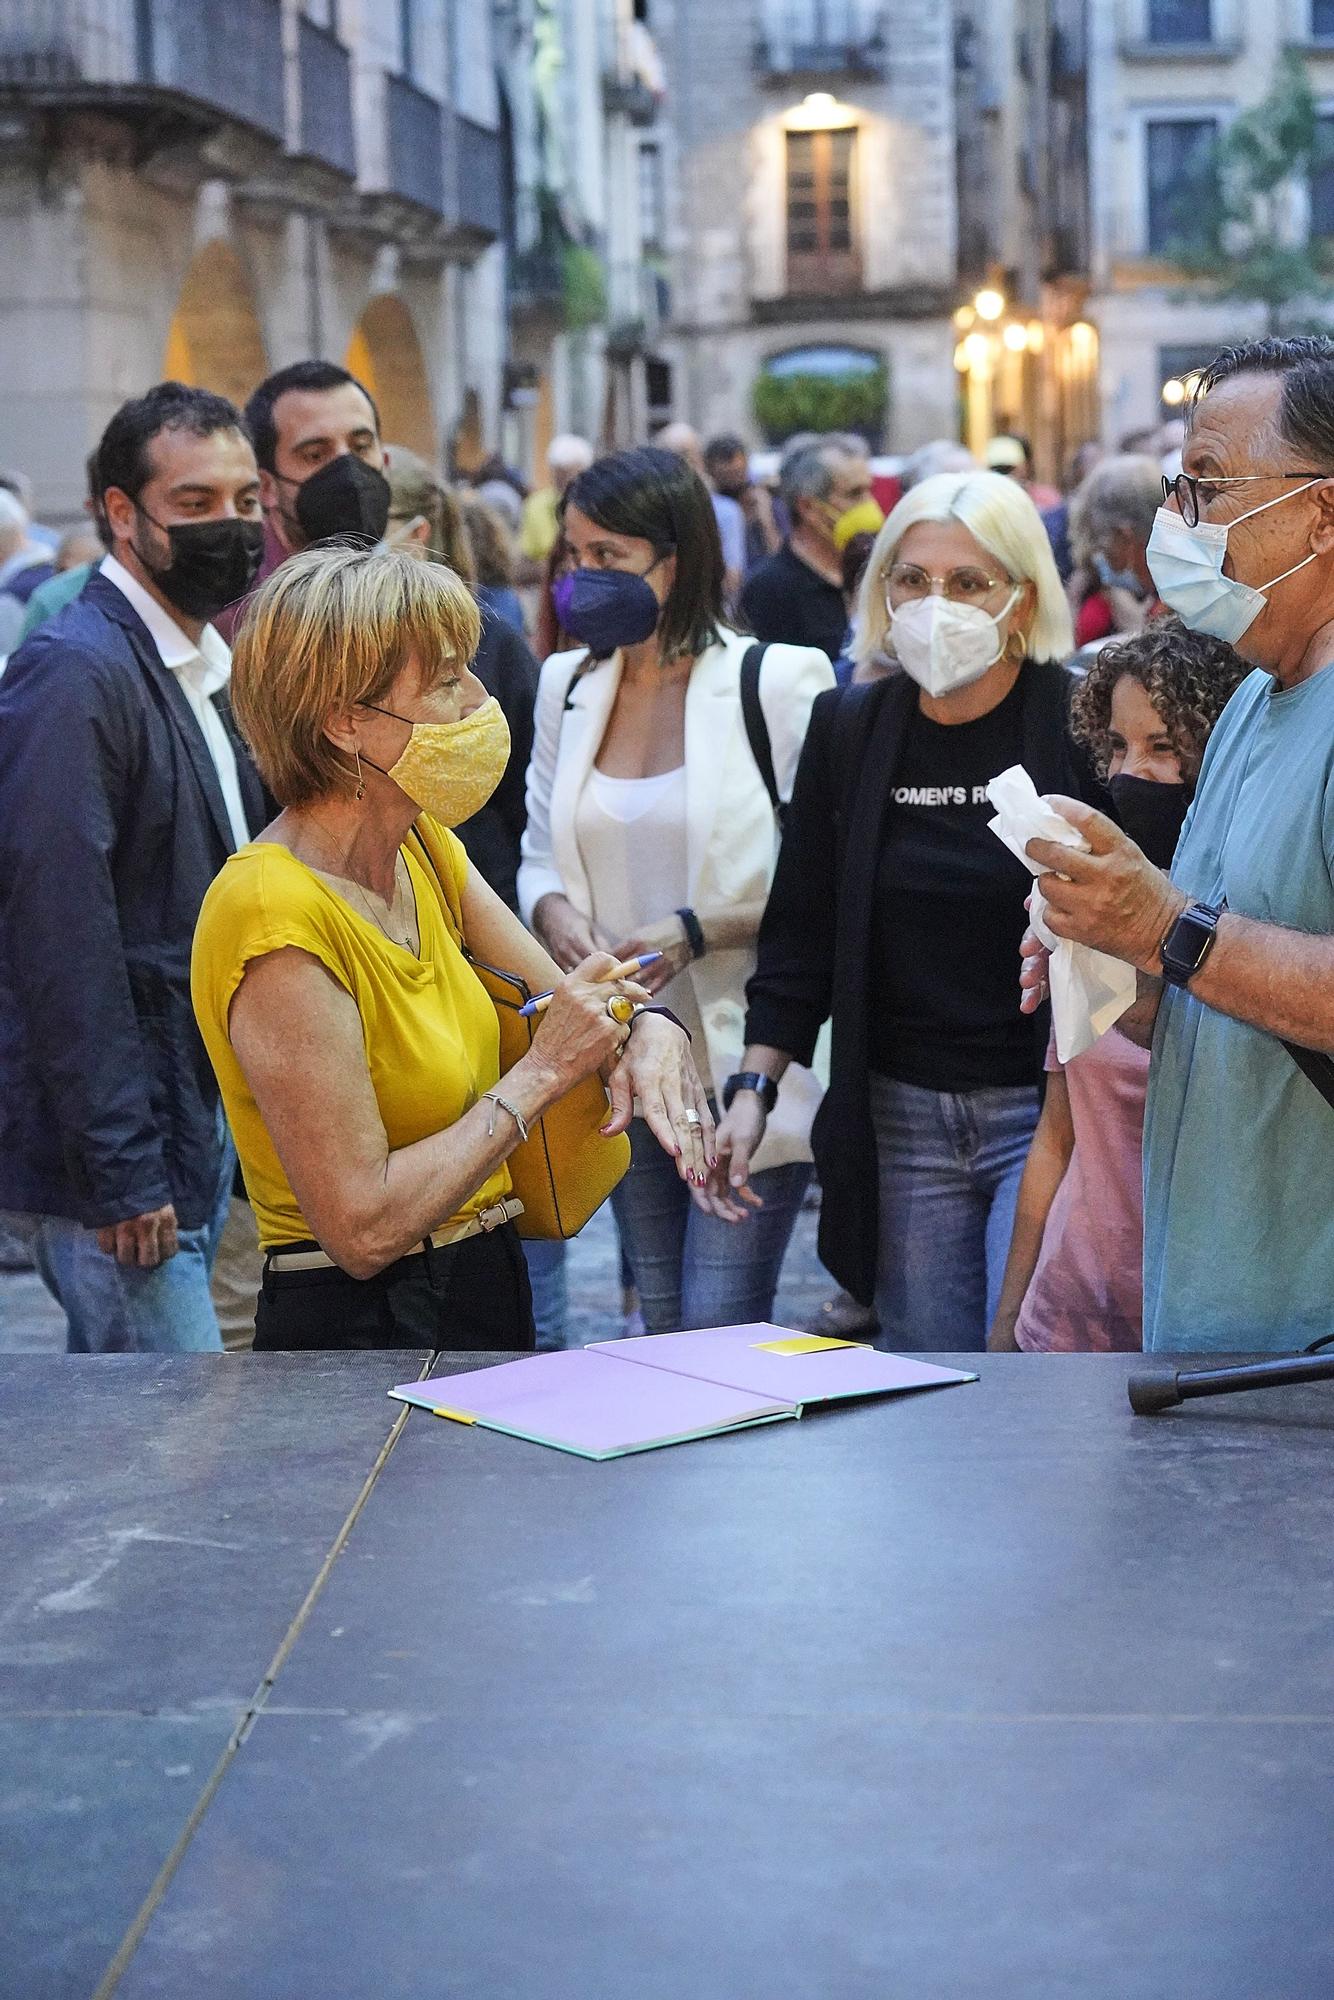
x=119 y=1309
x=551 y=1292
x=690 y=1269
x=950 y=1166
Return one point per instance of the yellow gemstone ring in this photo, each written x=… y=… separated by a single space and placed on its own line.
x=621 y=1008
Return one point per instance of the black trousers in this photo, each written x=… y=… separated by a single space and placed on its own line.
x=472 y=1295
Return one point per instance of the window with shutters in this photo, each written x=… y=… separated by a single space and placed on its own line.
x=821 y=218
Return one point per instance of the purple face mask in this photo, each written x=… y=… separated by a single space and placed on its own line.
x=606 y=608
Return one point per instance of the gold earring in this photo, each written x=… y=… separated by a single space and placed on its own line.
x=361 y=782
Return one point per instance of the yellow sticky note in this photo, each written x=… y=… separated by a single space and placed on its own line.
x=455 y=1416
x=801 y=1343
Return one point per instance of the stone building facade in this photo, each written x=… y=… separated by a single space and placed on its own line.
x=587 y=117
x=814 y=203
x=210 y=191
x=1164 y=75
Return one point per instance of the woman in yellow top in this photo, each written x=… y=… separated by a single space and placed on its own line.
x=356 y=1050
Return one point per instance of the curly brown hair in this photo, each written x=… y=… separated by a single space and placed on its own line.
x=1188 y=677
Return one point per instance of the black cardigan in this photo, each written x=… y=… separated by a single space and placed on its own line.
x=814 y=948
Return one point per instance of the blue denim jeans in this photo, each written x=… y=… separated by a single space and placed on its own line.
x=551 y=1292
x=689 y=1268
x=117 y=1308
x=950 y=1166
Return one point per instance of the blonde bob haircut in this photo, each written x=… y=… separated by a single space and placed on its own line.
x=1001 y=518
x=330 y=628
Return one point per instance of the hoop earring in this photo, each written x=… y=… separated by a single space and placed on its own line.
x=361 y=782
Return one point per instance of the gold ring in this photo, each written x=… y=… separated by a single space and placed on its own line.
x=621 y=1008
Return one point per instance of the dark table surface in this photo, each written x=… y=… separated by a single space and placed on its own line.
x=994 y=1692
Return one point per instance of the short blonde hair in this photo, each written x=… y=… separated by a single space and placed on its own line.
x=332 y=627
x=1001 y=517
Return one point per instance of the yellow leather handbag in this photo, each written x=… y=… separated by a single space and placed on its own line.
x=565 y=1169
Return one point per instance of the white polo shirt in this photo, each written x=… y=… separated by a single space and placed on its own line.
x=201 y=671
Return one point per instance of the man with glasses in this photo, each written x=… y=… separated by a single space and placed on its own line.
x=1236 y=950
x=796 y=595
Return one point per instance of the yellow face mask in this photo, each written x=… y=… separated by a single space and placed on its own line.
x=450 y=769
x=865 y=518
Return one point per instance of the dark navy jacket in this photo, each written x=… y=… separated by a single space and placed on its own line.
x=112 y=826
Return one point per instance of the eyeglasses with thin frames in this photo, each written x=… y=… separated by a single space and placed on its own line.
x=966 y=585
x=1185 y=488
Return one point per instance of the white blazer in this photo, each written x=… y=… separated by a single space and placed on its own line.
x=731 y=837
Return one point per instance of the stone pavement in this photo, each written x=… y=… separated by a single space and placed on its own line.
x=31 y=1322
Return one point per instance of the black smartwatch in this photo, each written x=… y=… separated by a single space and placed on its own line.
x=1189 y=943
x=694 y=931
x=751 y=1079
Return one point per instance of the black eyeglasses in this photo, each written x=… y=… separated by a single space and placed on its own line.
x=1185 y=488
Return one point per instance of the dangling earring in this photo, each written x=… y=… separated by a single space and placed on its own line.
x=361 y=782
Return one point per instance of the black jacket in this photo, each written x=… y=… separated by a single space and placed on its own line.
x=506 y=669
x=814 y=949
x=112 y=826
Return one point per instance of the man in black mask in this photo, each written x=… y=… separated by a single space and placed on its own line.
x=316 y=433
x=123 y=789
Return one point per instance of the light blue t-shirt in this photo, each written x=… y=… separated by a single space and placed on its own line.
x=1238 y=1144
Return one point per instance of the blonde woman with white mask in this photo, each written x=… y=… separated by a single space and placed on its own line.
x=897 y=913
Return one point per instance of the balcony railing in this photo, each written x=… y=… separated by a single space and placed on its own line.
x=633 y=79
x=537 y=282
x=638 y=303
x=416 y=145
x=327 y=132
x=820 y=38
x=197 y=53
x=480 y=166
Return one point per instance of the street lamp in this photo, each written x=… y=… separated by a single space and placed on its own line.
x=989 y=304
x=1015 y=337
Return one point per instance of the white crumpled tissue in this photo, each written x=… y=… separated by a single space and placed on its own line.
x=1090 y=990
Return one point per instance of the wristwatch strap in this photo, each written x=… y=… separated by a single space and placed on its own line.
x=1188 y=943
x=667 y=1015
x=694 y=933
x=751 y=1079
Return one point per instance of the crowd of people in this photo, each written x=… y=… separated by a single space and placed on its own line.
x=303 y=741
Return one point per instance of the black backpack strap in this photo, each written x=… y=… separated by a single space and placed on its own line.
x=1316 y=1068
x=757 y=729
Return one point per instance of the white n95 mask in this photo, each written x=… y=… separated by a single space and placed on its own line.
x=1186 y=565
x=943 y=645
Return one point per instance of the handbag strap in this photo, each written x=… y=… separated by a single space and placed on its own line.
x=757 y=729
x=1316 y=1068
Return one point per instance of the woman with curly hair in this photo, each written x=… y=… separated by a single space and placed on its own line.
x=1074 y=1279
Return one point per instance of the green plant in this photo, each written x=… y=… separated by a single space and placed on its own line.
x=585 y=287
x=1235 y=237
x=851 y=400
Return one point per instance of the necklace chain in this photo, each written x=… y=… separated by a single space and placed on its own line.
x=348 y=876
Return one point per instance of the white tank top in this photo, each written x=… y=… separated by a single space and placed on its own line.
x=632 y=839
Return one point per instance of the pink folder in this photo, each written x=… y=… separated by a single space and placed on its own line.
x=620 y=1396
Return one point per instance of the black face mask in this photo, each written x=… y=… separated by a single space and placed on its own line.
x=345 y=499
x=212 y=562
x=1151 y=814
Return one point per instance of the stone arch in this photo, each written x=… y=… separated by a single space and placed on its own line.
x=215 y=340
x=385 y=353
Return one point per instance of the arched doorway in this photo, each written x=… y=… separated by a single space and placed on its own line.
x=385 y=353
x=215 y=341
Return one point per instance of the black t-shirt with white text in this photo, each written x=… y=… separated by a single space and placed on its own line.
x=949 y=914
